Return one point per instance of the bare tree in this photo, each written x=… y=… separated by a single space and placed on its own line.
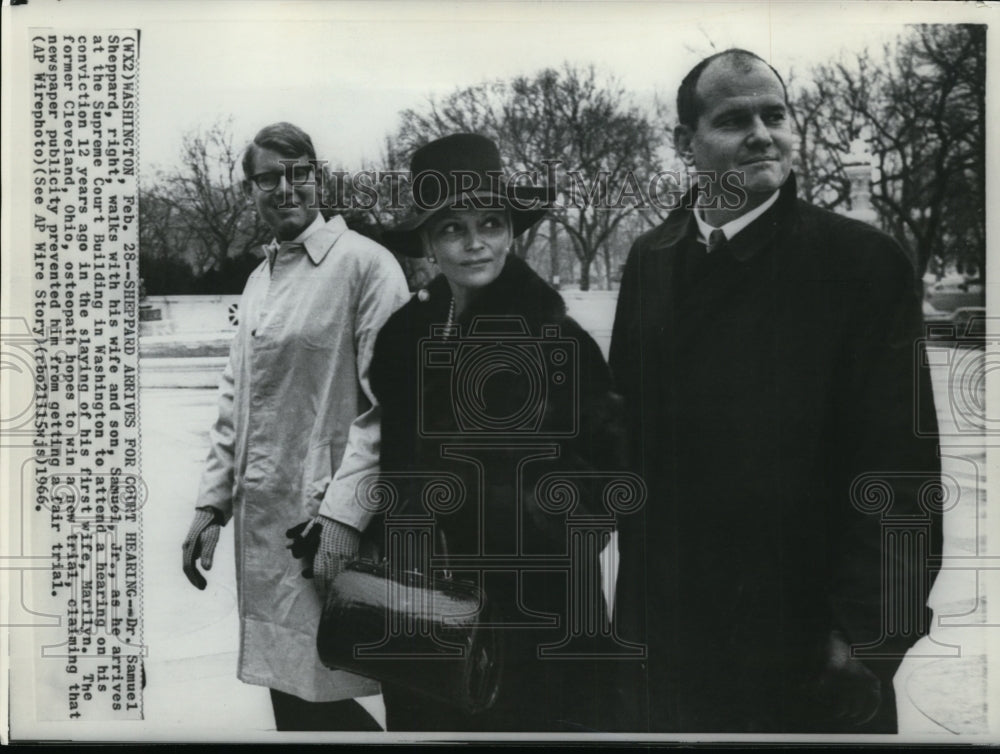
x=162 y=232
x=474 y=109
x=207 y=191
x=196 y=216
x=198 y=210
x=603 y=146
x=920 y=105
x=568 y=124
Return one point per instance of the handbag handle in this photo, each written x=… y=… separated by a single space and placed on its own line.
x=380 y=555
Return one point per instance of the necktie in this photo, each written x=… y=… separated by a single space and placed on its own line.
x=697 y=255
x=716 y=240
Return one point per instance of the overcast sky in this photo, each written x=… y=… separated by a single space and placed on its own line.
x=344 y=70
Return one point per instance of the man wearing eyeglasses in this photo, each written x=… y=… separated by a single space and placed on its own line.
x=297 y=430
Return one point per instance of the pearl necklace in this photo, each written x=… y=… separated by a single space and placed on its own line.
x=450 y=324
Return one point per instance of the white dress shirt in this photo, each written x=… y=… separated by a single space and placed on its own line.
x=733 y=226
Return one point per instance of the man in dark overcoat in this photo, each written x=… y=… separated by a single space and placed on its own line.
x=769 y=355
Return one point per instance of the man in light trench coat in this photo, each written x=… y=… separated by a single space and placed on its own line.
x=298 y=428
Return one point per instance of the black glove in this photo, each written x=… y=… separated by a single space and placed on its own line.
x=305 y=543
x=846 y=689
x=201 y=540
x=324 y=545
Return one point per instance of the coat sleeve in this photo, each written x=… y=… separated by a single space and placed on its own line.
x=216 y=488
x=888 y=521
x=600 y=441
x=383 y=290
x=625 y=358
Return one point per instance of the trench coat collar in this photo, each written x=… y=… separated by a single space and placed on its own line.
x=322 y=236
x=745 y=245
x=318 y=244
x=662 y=266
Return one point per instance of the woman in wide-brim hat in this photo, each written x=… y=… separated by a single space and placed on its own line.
x=463 y=168
x=483 y=376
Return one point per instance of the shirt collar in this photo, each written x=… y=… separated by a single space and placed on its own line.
x=733 y=226
x=317 y=238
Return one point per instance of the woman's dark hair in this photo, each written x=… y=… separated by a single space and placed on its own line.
x=688 y=106
x=284 y=138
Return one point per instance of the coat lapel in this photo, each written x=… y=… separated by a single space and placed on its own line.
x=659 y=272
x=724 y=272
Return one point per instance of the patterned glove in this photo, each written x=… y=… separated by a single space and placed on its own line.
x=337 y=543
x=201 y=540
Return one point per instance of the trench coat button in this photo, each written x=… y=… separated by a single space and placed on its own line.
x=423 y=295
x=253 y=333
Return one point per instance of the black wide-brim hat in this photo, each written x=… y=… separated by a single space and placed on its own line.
x=463 y=170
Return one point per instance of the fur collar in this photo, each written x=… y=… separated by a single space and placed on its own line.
x=517 y=290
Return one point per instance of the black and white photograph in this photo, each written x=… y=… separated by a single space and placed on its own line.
x=563 y=371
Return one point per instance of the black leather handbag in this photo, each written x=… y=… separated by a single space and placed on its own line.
x=409 y=629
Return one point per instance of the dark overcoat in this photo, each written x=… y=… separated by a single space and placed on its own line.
x=779 y=411
x=510 y=406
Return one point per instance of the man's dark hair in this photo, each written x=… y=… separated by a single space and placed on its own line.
x=284 y=138
x=688 y=105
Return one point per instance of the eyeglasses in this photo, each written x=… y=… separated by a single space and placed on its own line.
x=269 y=180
